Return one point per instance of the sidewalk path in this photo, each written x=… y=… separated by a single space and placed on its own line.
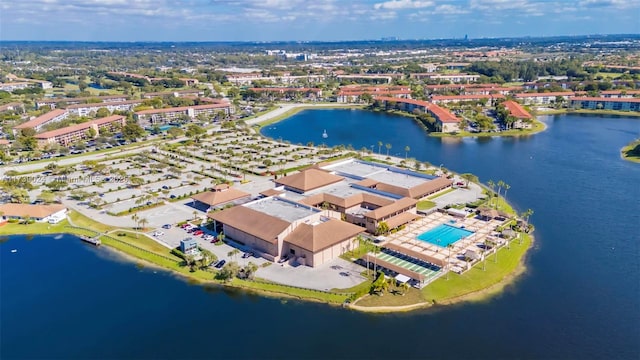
x=287 y=107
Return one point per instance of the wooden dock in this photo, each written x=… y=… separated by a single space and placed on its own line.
x=92 y=240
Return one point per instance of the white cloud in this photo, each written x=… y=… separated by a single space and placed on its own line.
x=403 y=4
x=448 y=9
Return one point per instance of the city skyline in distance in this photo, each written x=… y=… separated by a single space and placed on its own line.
x=300 y=20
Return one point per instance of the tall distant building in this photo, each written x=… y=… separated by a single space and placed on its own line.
x=466 y=37
x=389 y=38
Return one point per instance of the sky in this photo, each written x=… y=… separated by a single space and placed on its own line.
x=308 y=20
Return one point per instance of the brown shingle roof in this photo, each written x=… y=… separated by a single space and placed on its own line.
x=79 y=127
x=252 y=222
x=309 y=179
x=34 y=211
x=379 y=213
x=401 y=219
x=418 y=191
x=214 y=198
x=321 y=236
x=41 y=119
x=271 y=192
x=346 y=202
x=516 y=110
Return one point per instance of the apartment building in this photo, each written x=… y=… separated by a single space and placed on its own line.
x=69 y=135
x=39 y=122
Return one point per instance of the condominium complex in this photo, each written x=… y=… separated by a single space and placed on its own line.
x=67 y=136
x=167 y=115
x=38 y=123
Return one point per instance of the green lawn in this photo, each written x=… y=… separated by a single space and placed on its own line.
x=411 y=296
x=476 y=279
x=425 y=204
x=631 y=152
x=363 y=248
x=35 y=228
x=436 y=195
x=143 y=242
x=83 y=221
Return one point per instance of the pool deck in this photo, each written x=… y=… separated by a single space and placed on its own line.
x=483 y=230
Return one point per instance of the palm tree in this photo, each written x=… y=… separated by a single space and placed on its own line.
x=506 y=188
x=221 y=236
x=405 y=287
x=143 y=222
x=233 y=253
x=406 y=151
x=379 y=146
x=135 y=218
x=388 y=146
x=492 y=186
x=500 y=185
x=195 y=214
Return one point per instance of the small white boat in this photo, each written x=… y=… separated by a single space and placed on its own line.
x=324 y=134
x=14 y=251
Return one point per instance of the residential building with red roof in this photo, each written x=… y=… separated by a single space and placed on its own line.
x=620 y=93
x=166 y=115
x=67 y=136
x=54 y=103
x=543 y=98
x=603 y=103
x=42 y=120
x=446 y=99
x=445 y=120
x=88 y=109
x=517 y=111
x=350 y=94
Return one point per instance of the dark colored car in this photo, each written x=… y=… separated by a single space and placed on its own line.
x=220 y=264
x=247 y=255
x=166 y=226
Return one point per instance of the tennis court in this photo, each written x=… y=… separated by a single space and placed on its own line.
x=429 y=271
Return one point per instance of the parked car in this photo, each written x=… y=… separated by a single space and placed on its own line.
x=158 y=233
x=166 y=226
x=198 y=232
x=247 y=255
x=283 y=259
x=220 y=264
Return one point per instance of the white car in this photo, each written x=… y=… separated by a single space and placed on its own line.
x=158 y=233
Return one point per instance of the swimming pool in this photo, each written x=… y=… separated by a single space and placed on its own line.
x=165 y=127
x=443 y=235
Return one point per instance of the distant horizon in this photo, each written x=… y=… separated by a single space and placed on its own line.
x=318 y=20
x=382 y=39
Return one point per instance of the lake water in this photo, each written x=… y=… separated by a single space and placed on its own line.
x=578 y=299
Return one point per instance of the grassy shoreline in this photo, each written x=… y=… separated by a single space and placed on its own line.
x=298 y=109
x=588 y=112
x=537 y=127
x=627 y=152
x=466 y=287
x=146 y=252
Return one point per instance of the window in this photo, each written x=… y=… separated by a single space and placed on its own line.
x=292 y=252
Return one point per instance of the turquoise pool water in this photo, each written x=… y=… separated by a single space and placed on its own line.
x=164 y=127
x=443 y=235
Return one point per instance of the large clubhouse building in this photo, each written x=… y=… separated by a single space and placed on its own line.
x=315 y=215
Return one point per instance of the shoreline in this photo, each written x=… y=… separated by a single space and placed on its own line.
x=627 y=148
x=475 y=296
x=288 y=110
x=588 y=112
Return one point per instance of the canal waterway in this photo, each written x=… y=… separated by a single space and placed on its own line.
x=578 y=299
